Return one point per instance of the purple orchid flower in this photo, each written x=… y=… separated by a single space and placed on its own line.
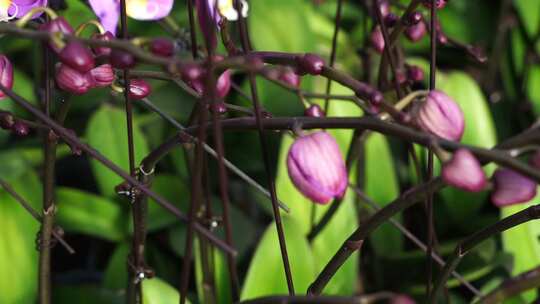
x=10 y=9
x=108 y=11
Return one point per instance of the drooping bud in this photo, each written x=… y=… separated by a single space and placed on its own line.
x=441 y=116
x=101 y=50
x=139 y=89
x=102 y=76
x=377 y=39
x=314 y=110
x=402 y=299
x=162 y=47
x=311 y=64
x=6 y=74
x=316 y=167
x=416 y=31
x=6 y=120
x=58 y=24
x=289 y=77
x=72 y=81
x=463 y=171
x=414 y=73
x=209 y=18
x=511 y=188
x=438 y=3
x=121 y=59
x=20 y=128
x=77 y=56
x=223 y=85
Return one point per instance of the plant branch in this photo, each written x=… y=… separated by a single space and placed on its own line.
x=55 y=232
x=67 y=136
x=529 y=214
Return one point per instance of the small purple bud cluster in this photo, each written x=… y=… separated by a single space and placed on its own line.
x=195 y=76
x=10 y=123
x=77 y=72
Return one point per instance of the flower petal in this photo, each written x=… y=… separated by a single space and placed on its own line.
x=149 y=9
x=108 y=12
x=20 y=8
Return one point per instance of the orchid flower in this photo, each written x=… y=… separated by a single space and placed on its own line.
x=108 y=11
x=11 y=9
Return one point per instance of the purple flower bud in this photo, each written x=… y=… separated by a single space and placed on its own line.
x=511 y=188
x=101 y=50
x=310 y=64
x=384 y=7
x=6 y=120
x=535 y=160
x=463 y=171
x=438 y=3
x=402 y=299
x=102 y=76
x=209 y=19
x=415 y=74
x=191 y=72
x=314 y=111
x=162 y=47
x=77 y=56
x=218 y=107
x=6 y=74
x=441 y=116
x=139 y=89
x=223 y=85
x=441 y=38
x=316 y=167
x=377 y=39
x=401 y=77
x=416 y=31
x=57 y=25
x=414 y=18
x=20 y=128
x=391 y=19
x=289 y=77
x=122 y=60
x=72 y=81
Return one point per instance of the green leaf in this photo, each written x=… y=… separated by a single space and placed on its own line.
x=281 y=25
x=116 y=276
x=107 y=132
x=221 y=279
x=266 y=275
x=529 y=12
x=85 y=294
x=533 y=90
x=78 y=12
x=479 y=131
x=18 y=255
x=523 y=242
x=174 y=190
x=382 y=186
x=24 y=86
x=83 y=212
x=157 y=291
